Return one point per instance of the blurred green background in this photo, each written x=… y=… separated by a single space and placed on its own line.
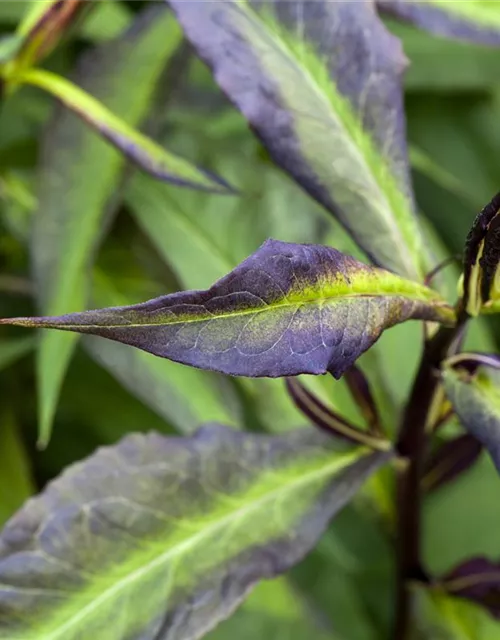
x=80 y=226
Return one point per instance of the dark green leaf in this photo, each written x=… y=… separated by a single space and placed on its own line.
x=474 y=20
x=12 y=350
x=475 y=397
x=273 y=611
x=16 y=484
x=320 y=84
x=79 y=175
x=104 y=555
x=287 y=309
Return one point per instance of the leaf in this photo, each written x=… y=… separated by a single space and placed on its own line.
x=183 y=396
x=328 y=420
x=452 y=458
x=442 y=617
x=171 y=555
x=273 y=611
x=287 y=309
x=80 y=174
x=107 y=20
x=476 y=401
x=474 y=20
x=16 y=484
x=478 y=580
x=12 y=350
x=146 y=153
x=328 y=114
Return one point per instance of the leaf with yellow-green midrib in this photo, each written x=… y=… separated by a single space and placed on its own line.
x=297 y=470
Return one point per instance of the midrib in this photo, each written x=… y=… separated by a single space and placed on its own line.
x=435 y=304
x=247 y=12
x=335 y=466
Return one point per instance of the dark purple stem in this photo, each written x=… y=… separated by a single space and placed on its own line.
x=411 y=447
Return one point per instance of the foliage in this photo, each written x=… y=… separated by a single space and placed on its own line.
x=326 y=464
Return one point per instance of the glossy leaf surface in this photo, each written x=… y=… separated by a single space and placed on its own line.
x=79 y=174
x=475 y=398
x=162 y=537
x=287 y=309
x=319 y=82
x=473 y=20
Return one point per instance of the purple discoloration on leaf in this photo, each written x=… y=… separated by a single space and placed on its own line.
x=451 y=460
x=441 y=21
x=477 y=579
x=172 y=525
x=287 y=309
x=265 y=56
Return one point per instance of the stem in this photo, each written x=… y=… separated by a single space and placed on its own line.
x=411 y=447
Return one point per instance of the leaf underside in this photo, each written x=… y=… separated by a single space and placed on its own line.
x=160 y=538
x=319 y=82
x=287 y=309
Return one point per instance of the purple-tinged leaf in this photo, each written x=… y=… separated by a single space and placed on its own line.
x=328 y=420
x=287 y=309
x=481 y=259
x=477 y=579
x=361 y=392
x=451 y=459
x=473 y=20
x=161 y=538
x=320 y=83
x=473 y=389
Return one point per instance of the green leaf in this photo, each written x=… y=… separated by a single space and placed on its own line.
x=16 y=484
x=12 y=350
x=273 y=611
x=474 y=20
x=440 y=616
x=183 y=396
x=79 y=175
x=107 y=20
x=143 y=151
x=337 y=128
x=173 y=554
x=475 y=397
x=287 y=309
